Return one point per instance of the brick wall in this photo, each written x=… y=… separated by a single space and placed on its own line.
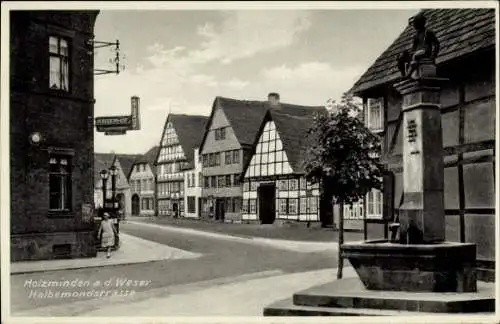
x=65 y=120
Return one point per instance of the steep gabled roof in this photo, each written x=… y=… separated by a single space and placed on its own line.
x=292 y=125
x=190 y=131
x=149 y=157
x=127 y=161
x=459 y=31
x=246 y=116
x=293 y=134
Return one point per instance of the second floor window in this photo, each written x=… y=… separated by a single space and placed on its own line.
x=59 y=63
x=374 y=114
x=236 y=156
x=221 y=181
x=236 y=180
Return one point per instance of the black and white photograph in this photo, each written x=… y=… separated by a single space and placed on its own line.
x=249 y=161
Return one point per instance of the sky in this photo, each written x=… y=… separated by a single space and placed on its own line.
x=179 y=60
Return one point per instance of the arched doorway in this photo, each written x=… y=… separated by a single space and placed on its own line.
x=136 y=207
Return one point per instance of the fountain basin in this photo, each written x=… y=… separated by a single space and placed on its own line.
x=440 y=267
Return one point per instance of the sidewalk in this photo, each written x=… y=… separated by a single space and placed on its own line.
x=245 y=297
x=295 y=246
x=132 y=250
x=290 y=232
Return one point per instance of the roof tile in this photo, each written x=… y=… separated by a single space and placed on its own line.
x=460 y=32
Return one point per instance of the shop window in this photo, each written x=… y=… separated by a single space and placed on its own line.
x=292 y=206
x=303 y=205
x=236 y=204
x=283 y=206
x=313 y=205
x=253 y=206
x=244 y=207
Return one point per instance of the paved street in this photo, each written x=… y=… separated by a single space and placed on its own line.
x=223 y=260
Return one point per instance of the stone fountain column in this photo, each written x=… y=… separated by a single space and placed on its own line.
x=422 y=214
x=417 y=273
x=421 y=260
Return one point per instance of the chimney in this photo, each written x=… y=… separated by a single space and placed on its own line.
x=273 y=98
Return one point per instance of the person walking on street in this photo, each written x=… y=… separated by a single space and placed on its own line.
x=107 y=234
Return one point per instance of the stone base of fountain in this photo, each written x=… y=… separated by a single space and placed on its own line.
x=442 y=267
x=397 y=279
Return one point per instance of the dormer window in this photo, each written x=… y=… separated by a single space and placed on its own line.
x=374 y=114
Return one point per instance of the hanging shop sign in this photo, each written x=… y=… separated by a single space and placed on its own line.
x=119 y=125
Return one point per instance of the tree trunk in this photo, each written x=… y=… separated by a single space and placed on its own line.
x=326 y=207
x=341 y=241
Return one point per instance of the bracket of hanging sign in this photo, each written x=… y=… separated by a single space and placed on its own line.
x=116 y=60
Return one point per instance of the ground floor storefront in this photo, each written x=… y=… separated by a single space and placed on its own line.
x=171 y=207
x=285 y=198
x=221 y=208
x=170 y=196
x=143 y=204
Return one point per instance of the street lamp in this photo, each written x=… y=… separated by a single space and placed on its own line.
x=113 y=172
x=104 y=176
x=176 y=203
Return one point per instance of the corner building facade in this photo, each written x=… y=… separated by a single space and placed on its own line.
x=51 y=134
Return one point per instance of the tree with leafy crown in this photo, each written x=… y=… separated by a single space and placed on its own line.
x=343 y=157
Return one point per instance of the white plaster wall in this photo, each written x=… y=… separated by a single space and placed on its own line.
x=193 y=191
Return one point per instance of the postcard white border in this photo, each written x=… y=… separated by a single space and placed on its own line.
x=209 y=5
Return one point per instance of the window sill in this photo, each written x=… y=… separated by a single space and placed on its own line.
x=60 y=93
x=60 y=214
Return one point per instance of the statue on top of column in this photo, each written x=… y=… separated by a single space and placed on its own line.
x=425 y=47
